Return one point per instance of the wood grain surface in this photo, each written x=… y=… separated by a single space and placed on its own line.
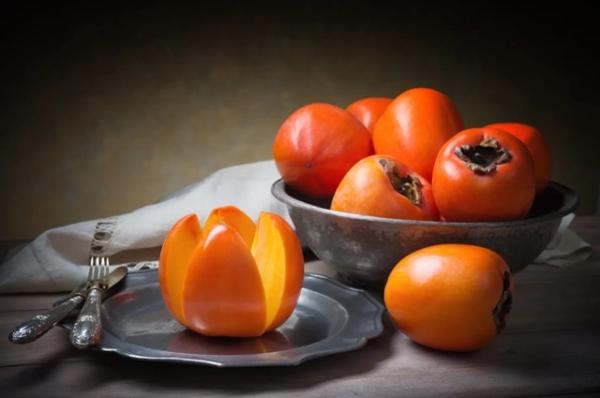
x=551 y=347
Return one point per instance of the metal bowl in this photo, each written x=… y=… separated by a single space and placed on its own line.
x=364 y=249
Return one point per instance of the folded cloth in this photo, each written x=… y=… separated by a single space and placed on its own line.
x=566 y=247
x=57 y=259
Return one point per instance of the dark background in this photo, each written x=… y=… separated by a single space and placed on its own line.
x=107 y=106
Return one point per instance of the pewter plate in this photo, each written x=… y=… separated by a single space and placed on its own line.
x=329 y=318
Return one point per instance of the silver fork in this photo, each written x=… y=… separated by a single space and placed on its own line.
x=87 y=328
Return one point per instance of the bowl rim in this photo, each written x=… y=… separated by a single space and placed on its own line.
x=571 y=202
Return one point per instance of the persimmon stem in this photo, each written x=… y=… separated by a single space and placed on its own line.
x=484 y=157
x=504 y=304
x=407 y=185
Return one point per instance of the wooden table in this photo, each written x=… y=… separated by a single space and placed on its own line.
x=550 y=347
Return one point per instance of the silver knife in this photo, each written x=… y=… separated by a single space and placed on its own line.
x=132 y=267
x=37 y=326
x=86 y=331
x=75 y=292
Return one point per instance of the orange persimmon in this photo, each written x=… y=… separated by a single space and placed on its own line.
x=483 y=174
x=415 y=126
x=369 y=110
x=317 y=145
x=538 y=147
x=450 y=296
x=381 y=186
x=231 y=278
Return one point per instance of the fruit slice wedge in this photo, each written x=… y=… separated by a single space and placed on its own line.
x=278 y=255
x=222 y=292
x=175 y=254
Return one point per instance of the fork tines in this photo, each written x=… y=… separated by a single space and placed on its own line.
x=98 y=271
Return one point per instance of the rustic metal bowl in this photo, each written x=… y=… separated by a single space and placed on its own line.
x=364 y=249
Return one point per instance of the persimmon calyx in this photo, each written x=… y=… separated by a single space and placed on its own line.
x=484 y=157
x=504 y=304
x=408 y=185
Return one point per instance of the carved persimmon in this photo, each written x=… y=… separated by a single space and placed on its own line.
x=231 y=278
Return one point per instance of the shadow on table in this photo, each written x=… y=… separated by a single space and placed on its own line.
x=29 y=375
x=558 y=360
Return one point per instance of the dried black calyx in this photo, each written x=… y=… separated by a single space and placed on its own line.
x=408 y=185
x=484 y=157
x=504 y=304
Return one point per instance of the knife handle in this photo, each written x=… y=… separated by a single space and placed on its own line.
x=87 y=329
x=34 y=328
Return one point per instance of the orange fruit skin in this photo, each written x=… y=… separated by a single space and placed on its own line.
x=231 y=278
x=538 y=148
x=443 y=296
x=367 y=190
x=369 y=110
x=222 y=294
x=415 y=126
x=317 y=145
x=463 y=195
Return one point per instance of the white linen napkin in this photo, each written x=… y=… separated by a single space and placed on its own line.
x=566 y=247
x=57 y=259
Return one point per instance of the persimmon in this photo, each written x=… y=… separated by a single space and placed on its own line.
x=450 y=296
x=383 y=187
x=538 y=147
x=317 y=145
x=231 y=278
x=369 y=110
x=483 y=174
x=415 y=126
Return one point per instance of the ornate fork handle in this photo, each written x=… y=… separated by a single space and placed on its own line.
x=34 y=328
x=87 y=329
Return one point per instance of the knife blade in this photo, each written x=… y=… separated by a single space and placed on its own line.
x=75 y=292
x=38 y=325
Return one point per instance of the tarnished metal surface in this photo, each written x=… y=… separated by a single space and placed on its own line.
x=364 y=249
x=329 y=318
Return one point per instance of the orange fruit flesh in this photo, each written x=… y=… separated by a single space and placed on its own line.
x=222 y=284
x=269 y=253
x=293 y=266
x=235 y=218
x=175 y=254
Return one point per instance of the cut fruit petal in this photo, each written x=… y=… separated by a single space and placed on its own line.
x=268 y=252
x=222 y=293
x=235 y=218
x=175 y=254
x=294 y=276
x=278 y=255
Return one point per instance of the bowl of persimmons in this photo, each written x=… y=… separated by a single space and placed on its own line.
x=370 y=184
